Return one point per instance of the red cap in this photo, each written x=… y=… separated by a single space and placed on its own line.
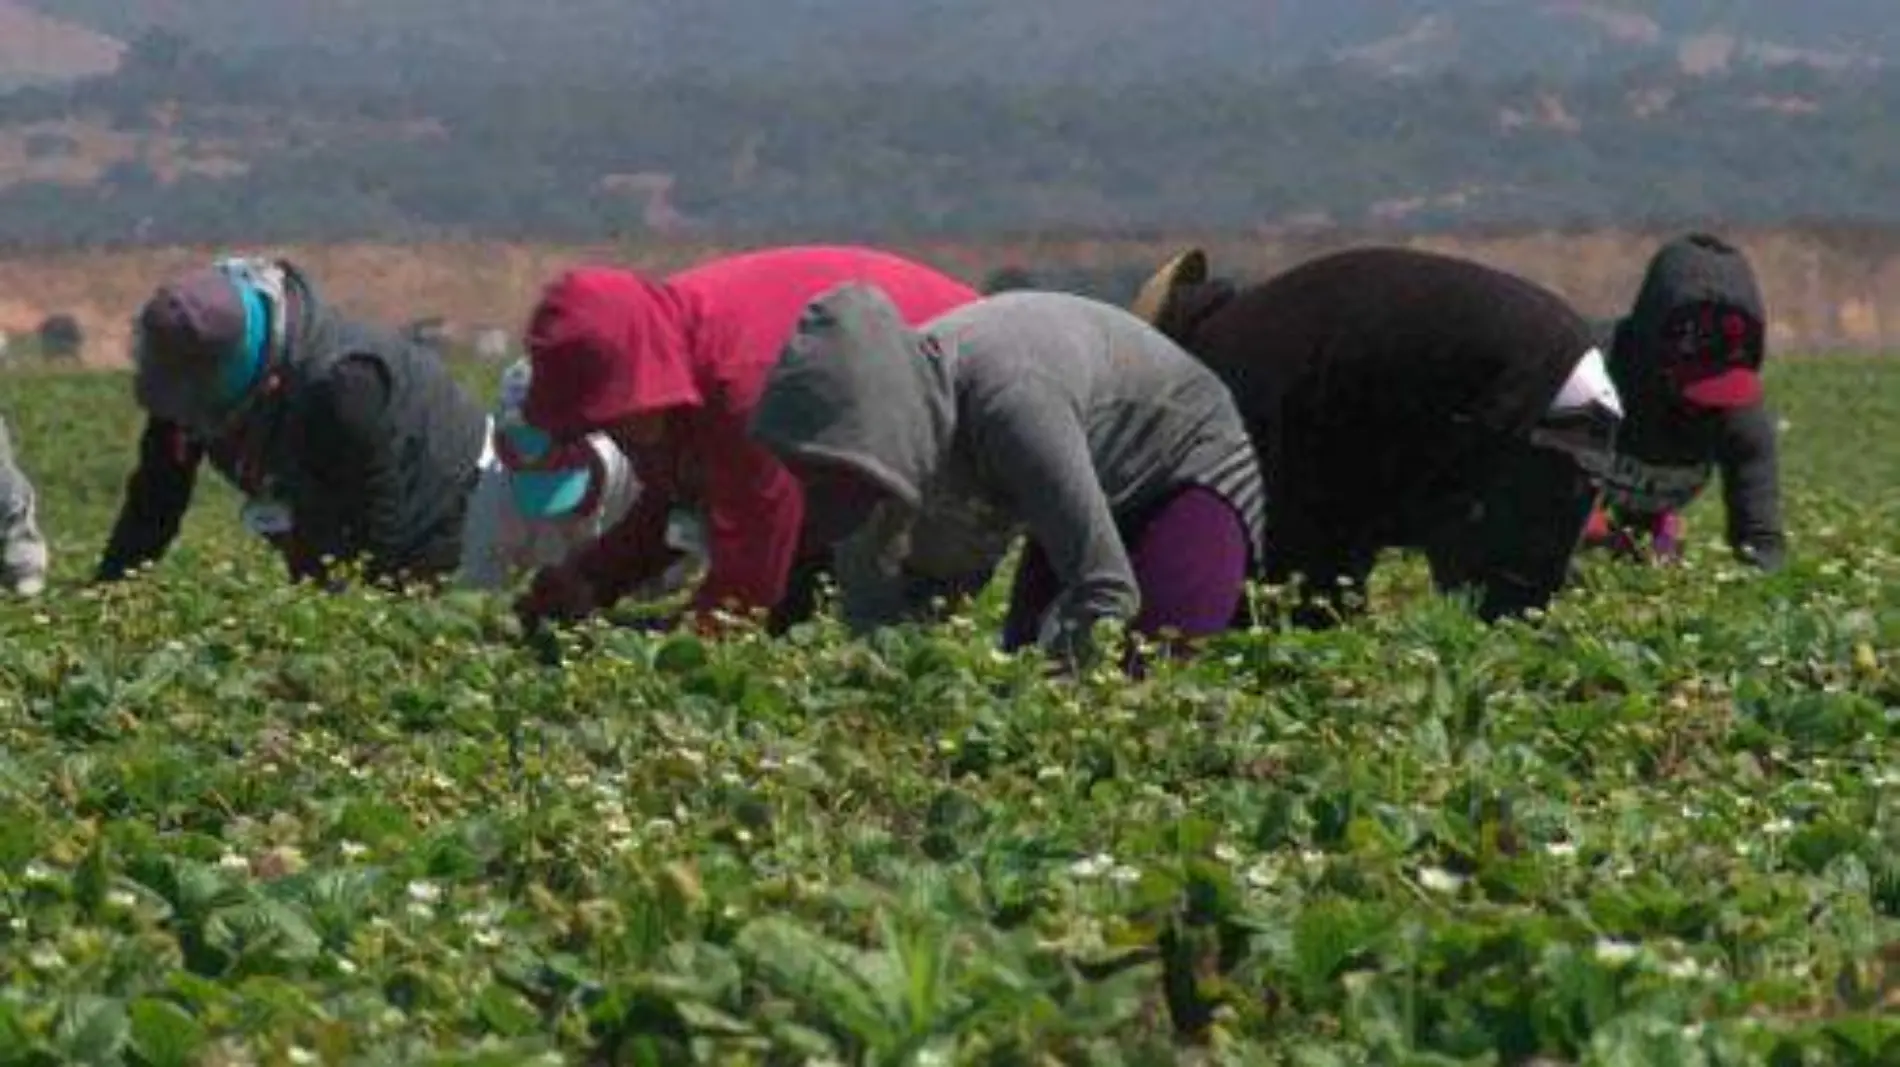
x=1719 y=387
x=605 y=344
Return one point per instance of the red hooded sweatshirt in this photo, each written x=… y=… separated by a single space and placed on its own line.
x=607 y=343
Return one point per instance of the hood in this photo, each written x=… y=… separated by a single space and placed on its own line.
x=1700 y=270
x=856 y=386
x=607 y=343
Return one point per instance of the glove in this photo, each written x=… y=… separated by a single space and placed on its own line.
x=1665 y=537
x=559 y=594
x=1596 y=530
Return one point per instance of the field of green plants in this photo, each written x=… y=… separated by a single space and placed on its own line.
x=243 y=823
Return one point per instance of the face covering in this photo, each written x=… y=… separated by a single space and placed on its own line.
x=1582 y=422
x=588 y=484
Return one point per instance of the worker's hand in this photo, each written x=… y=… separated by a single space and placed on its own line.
x=557 y=594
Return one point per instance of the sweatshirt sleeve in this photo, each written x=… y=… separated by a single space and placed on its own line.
x=1032 y=442
x=628 y=553
x=1751 y=487
x=156 y=496
x=23 y=556
x=755 y=512
x=345 y=419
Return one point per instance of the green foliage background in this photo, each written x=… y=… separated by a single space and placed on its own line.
x=246 y=823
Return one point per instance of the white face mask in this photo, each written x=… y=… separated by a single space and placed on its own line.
x=1589 y=384
x=1583 y=420
x=622 y=487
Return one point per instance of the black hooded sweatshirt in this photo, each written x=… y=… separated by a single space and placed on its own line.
x=1667 y=449
x=363 y=435
x=1383 y=387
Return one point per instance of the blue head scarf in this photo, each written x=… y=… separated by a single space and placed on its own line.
x=243 y=365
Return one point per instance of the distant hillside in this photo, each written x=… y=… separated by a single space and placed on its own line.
x=582 y=119
x=181 y=144
x=1020 y=41
x=37 y=49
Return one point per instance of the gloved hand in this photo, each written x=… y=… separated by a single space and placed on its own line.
x=1665 y=537
x=1602 y=530
x=560 y=594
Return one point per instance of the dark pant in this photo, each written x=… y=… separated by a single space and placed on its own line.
x=1190 y=556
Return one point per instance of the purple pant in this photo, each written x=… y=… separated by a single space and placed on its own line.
x=1190 y=557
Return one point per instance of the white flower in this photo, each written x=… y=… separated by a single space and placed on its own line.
x=1093 y=866
x=1122 y=874
x=231 y=861
x=1440 y=880
x=302 y=1056
x=1226 y=853
x=1561 y=849
x=38 y=873
x=1261 y=875
x=1778 y=827
x=424 y=892
x=45 y=958
x=1049 y=774
x=1616 y=953
x=122 y=900
x=352 y=850
x=1683 y=969
x=346 y=965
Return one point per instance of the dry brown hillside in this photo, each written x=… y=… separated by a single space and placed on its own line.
x=1826 y=289
x=35 y=47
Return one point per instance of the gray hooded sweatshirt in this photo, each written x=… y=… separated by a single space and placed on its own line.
x=1033 y=412
x=23 y=555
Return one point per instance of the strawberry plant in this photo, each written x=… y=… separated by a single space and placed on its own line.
x=248 y=823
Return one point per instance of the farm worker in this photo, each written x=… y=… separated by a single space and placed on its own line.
x=669 y=369
x=1404 y=399
x=523 y=520
x=1687 y=362
x=926 y=451
x=23 y=555
x=346 y=441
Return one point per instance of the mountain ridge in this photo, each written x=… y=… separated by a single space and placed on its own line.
x=1024 y=41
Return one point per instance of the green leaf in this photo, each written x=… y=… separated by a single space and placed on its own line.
x=93 y=1029
x=164 y=1034
x=506 y=1012
x=681 y=654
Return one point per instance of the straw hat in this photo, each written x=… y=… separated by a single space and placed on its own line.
x=1187 y=268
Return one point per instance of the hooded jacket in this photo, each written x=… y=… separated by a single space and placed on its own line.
x=1668 y=448
x=1043 y=412
x=23 y=555
x=363 y=440
x=1378 y=383
x=611 y=343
